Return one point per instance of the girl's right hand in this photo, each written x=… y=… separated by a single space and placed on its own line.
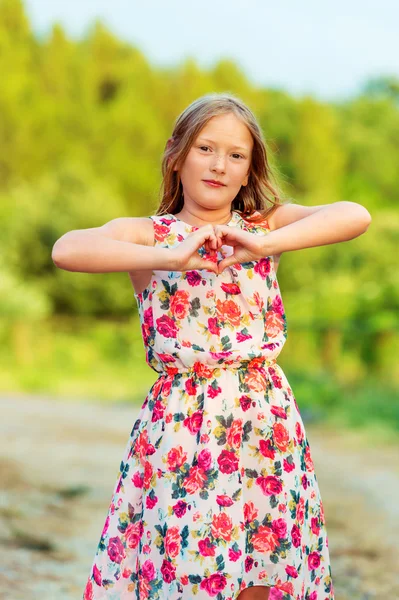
x=186 y=256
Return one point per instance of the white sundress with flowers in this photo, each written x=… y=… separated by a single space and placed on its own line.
x=216 y=490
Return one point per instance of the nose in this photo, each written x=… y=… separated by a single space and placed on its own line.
x=219 y=164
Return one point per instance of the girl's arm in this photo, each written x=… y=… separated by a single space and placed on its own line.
x=293 y=227
x=296 y=226
x=123 y=244
x=127 y=244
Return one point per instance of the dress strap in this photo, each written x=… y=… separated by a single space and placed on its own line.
x=259 y=225
x=163 y=234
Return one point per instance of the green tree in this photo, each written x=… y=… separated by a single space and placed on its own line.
x=318 y=156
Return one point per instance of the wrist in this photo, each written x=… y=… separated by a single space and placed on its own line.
x=161 y=259
x=265 y=245
x=172 y=260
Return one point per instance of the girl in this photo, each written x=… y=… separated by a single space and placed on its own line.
x=216 y=495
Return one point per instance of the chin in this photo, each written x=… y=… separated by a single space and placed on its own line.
x=212 y=205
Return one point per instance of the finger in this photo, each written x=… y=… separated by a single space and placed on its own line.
x=204 y=234
x=196 y=239
x=211 y=244
x=227 y=262
x=208 y=265
x=214 y=242
x=230 y=234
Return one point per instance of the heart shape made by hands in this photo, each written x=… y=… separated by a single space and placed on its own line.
x=233 y=246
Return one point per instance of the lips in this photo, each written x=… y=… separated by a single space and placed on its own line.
x=214 y=183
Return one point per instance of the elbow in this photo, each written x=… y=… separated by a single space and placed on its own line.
x=367 y=225
x=58 y=256
x=61 y=252
x=366 y=219
x=361 y=216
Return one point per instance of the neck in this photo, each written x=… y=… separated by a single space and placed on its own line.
x=199 y=219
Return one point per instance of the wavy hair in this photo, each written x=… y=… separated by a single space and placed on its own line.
x=260 y=195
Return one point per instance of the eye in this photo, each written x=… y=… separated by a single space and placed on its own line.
x=235 y=154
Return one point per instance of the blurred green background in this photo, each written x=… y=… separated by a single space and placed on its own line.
x=83 y=124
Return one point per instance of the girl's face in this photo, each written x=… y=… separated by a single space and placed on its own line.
x=222 y=151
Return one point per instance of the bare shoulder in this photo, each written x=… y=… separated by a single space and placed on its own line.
x=289 y=213
x=137 y=230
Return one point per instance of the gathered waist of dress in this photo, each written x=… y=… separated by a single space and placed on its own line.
x=201 y=369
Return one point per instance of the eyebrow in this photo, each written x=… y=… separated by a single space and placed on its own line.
x=232 y=147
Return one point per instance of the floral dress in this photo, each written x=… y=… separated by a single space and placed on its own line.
x=216 y=490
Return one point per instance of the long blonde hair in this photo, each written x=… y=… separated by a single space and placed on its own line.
x=258 y=196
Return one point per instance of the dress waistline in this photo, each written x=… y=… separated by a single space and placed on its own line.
x=206 y=370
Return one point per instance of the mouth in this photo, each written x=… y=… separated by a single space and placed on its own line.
x=214 y=183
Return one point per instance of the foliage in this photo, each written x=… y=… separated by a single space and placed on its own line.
x=82 y=129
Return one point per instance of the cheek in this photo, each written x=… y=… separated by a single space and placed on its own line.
x=238 y=174
x=191 y=170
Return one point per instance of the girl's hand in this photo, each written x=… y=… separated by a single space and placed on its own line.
x=186 y=256
x=247 y=246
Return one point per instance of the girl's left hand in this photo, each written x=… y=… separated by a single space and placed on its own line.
x=247 y=246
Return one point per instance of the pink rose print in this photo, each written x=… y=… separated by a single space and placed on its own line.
x=231 y=288
x=214 y=584
x=234 y=555
x=97 y=575
x=194 y=422
x=262 y=267
x=116 y=550
x=270 y=485
x=193 y=278
x=313 y=560
x=205 y=459
x=88 y=593
x=213 y=326
x=206 y=548
x=296 y=536
x=227 y=461
x=148 y=570
x=168 y=571
x=291 y=571
x=166 y=327
x=279 y=527
x=180 y=508
x=133 y=534
x=224 y=500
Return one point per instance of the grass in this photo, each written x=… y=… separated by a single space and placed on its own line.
x=368 y=404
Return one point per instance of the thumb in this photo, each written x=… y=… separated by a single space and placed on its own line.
x=227 y=262
x=208 y=265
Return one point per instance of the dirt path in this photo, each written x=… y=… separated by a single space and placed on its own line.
x=58 y=464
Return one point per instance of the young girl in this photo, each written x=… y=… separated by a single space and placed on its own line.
x=217 y=495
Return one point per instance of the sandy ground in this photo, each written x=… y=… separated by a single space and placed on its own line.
x=59 y=461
